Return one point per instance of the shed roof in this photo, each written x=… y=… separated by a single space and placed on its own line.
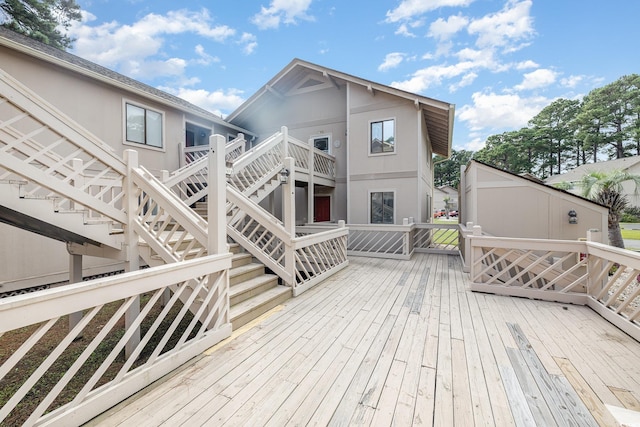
x=577 y=173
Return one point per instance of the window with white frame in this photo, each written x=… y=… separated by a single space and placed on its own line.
x=322 y=143
x=382 y=137
x=144 y=126
x=381 y=207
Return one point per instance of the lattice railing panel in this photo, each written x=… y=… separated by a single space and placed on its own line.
x=49 y=372
x=314 y=258
x=324 y=165
x=377 y=241
x=167 y=224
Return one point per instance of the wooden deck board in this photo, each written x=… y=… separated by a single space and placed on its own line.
x=389 y=342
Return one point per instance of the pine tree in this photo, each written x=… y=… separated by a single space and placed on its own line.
x=42 y=20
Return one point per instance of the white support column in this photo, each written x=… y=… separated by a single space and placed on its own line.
x=75 y=276
x=289 y=198
x=132 y=262
x=216 y=219
x=217 y=196
x=289 y=217
x=311 y=193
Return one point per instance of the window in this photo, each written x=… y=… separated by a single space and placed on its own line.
x=322 y=143
x=383 y=137
x=381 y=207
x=144 y=126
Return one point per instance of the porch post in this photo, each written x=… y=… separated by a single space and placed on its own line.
x=217 y=219
x=311 y=193
x=75 y=276
x=217 y=196
x=132 y=262
x=285 y=142
x=289 y=217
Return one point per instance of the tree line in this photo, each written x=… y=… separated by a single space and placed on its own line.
x=567 y=133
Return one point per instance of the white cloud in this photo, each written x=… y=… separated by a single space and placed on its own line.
x=541 y=77
x=219 y=102
x=203 y=57
x=282 y=11
x=494 y=111
x=572 y=81
x=403 y=30
x=526 y=65
x=509 y=28
x=431 y=76
x=128 y=47
x=249 y=42
x=445 y=29
x=409 y=9
x=392 y=60
x=466 y=80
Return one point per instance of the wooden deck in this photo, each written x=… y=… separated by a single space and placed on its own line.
x=387 y=342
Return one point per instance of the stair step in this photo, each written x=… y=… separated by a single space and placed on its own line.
x=252 y=287
x=245 y=272
x=254 y=307
x=240 y=259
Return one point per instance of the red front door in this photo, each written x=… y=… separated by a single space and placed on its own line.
x=321 y=208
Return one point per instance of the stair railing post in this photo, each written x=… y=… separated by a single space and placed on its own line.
x=475 y=254
x=216 y=218
x=132 y=262
x=311 y=189
x=289 y=216
x=75 y=276
x=285 y=142
x=217 y=196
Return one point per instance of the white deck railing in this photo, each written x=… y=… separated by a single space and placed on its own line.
x=233 y=150
x=395 y=241
x=579 y=272
x=91 y=354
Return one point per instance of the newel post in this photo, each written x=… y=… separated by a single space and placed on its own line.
x=289 y=216
x=217 y=196
x=475 y=253
x=593 y=288
x=132 y=262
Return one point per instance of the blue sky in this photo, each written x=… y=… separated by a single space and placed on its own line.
x=499 y=61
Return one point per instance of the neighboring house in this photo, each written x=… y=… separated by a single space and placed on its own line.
x=574 y=176
x=120 y=111
x=443 y=194
x=509 y=205
x=383 y=140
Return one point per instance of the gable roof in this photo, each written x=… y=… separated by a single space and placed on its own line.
x=18 y=42
x=576 y=174
x=438 y=115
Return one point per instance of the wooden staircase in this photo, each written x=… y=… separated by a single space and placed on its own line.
x=252 y=291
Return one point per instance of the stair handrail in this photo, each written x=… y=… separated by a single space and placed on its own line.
x=155 y=229
x=64 y=166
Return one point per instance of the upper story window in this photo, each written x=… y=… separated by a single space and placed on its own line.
x=383 y=137
x=144 y=126
x=322 y=143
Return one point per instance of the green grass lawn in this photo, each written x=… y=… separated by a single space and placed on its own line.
x=631 y=234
